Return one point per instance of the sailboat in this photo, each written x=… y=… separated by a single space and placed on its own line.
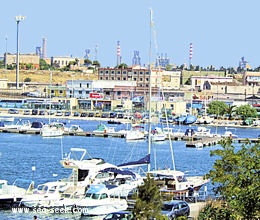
x=54 y=129
x=170 y=180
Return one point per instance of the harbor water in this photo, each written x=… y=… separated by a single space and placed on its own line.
x=32 y=157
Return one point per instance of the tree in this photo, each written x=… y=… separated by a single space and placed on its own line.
x=96 y=63
x=246 y=111
x=44 y=65
x=230 y=110
x=87 y=62
x=122 y=66
x=217 y=108
x=149 y=202
x=236 y=175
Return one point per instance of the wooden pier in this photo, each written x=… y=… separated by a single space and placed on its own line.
x=202 y=142
x=84 y=133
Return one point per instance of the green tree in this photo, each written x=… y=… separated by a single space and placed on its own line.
x=246 y=111
x=216 y=210
x=217 y=107
x=230 y=110
x=148 y=202
x=122 y=66
x=96 y=63
x=27 y=79
x=236 y=175
x=44 y=65
x=87 y=62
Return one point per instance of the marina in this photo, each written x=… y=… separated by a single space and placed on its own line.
x=40 y=156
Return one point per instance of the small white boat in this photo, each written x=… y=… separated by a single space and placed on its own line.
x=98 y=201
x=229 y=134
x=203 y=132
x=103 y=129
x=75 y=129
x=20 y=125
x=46 y=195
x=136 y=133
x=52 y=130
x=10 y=194
x=158 y=135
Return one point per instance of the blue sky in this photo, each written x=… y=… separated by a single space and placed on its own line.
x=221 y=31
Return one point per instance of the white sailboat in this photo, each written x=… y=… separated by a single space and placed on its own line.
x=54 y=129
x=171 y=180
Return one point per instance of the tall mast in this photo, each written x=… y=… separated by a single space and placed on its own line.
x=150 y=89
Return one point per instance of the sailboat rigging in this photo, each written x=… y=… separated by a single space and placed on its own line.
x=169 y=180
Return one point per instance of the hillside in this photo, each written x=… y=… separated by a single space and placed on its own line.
x=58 y=77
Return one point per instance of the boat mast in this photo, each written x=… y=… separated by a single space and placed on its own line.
x=150 y=90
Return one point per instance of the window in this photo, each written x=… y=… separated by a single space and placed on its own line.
x=124 y=72
x=113 y=78
x=107 y=72
x=60 y=91
x=106 y=78
x=141 y=79
x=112 y=72
x=134 y=79
x=147 y=79
x=135 y=72
x=101 y=78
x=124 y=78
x=118 y=72
x=101 y=72
x=118 y=78
x=141 y=73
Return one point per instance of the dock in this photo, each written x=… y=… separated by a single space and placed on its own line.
x=84 y=133
x=203 y=142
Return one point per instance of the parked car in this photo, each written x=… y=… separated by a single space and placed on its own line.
x=35 y=112
x=42 y=112
x=67 y=114
x=76 y=114
x=26 y=112
x=13 y=111
x=83 y=114
x=175 y=208
x=91 y=114
x=104 y=115
x=119 y=215
x=112 y=115
x=59 y=113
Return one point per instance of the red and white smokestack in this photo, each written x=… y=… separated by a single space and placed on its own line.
x=118 y=53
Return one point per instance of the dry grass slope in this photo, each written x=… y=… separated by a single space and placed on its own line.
x=42 y=76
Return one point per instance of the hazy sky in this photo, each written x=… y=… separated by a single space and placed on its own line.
x=221 y=31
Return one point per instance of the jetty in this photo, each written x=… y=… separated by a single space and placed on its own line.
x=203 y=142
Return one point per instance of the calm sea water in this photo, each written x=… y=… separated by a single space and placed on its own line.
x=20 y=152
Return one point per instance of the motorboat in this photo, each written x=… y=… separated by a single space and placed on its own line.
x=97 y=171
x=135 y=133
x=11 y=194
x=45 y=195
x=229 y=134
x=102 y=129
x=203 y=132
x=176 y=181
x=36 y=126
x=190 y=119
x=20 y=125
x=98 y=201
x=54 y=129
x=205 y=120
x=158 y=135
x=75 y=129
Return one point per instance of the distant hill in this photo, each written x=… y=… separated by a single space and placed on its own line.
x=43 y=76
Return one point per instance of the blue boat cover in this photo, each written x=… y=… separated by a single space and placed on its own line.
x=142 y=161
